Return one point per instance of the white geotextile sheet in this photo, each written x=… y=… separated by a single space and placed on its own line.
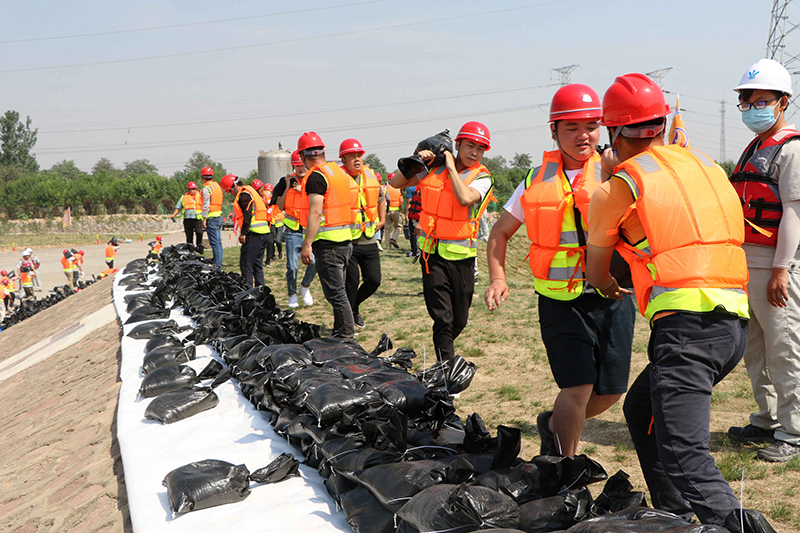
x=233 y=431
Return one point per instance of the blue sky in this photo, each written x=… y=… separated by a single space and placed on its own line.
x=388 y=73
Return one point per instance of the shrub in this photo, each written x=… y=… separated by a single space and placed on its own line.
x=150 y=207
x=11 y=212
x=111 y=206
x=89 y=207
x=167 y=204
x=128 y=204
x=57 y=211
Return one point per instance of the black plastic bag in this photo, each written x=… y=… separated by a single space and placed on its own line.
x=162 y=380
x=364 y=513
x=284 y=467
x=206 y=484
x=452 y=375
x=147 y=312
x=211 y=370
x=178 y=404
x=394 y=484
x=438 y=144
x=279 y=356
x=328 y=401
x=162 y=340
x=166 y=357
x=406 y=395
x=618 y=494
x=556 y=473
x=148 y=329
x=556 y=512
x=754 y=522
x=320 y=356
x=639 y=520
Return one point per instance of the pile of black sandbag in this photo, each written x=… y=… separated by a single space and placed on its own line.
x=28 y=308
x=394 y=454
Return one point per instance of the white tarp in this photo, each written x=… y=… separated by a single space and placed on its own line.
x=233 y=431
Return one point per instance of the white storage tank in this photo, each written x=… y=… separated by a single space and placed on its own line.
x=274 y=165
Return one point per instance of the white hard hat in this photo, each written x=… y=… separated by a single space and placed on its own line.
x=27 y=251
x=766 y=74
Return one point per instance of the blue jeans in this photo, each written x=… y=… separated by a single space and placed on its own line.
x=214 y=232
x=294 y=244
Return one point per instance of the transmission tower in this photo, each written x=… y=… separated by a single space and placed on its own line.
x=658 y=75
x=722 y=155
x=564 y=74
x=780 y=28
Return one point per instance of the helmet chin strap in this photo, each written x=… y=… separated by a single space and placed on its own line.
x=558 y=143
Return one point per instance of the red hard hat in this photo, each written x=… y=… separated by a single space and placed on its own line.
x=227 y=182
x=65 y=252
x=191 y=185
x=207 y=171
x=309 y=140
x=631 y=99
x=269 y=187
x=257 y=184
x=575 y=101
x=3 y=273
x=378 y=175
x=158 y=237
x=391 y=175
x=297 y=161
x=350 y=146
x=475 y=131
x=81 y=252
x=5 y=281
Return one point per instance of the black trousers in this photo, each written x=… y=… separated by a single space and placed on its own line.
x=251 y=259
x=448 y=288
x=668 y=409
x=412 y=236
x=274 y=241
x=331 y=261
x=270 y=245
x=193 y=227
x=367 y=258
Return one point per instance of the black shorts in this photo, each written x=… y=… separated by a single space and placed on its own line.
x=588 y=341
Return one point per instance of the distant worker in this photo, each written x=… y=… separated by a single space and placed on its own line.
x=587 y=337
x=78 y=263
x=69 y=267
x=767 y=179
x=8 y=295
x=155 y=249
x=276 y=226
x=28 y=257
x=413 y=208
x=250 y=215
x=332 y=200
x=111 y=251
x=212 y=213
x=10 y=276
x=370 y=216
x=394 y=216
x=454 y=196
x=191 y=205
x=289 y=195
x=26 y=279
x=672 y=214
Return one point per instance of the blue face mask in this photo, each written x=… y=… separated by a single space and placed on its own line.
x=759 y=120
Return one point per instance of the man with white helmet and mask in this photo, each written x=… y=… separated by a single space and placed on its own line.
x=767 y=178
x=27 y=256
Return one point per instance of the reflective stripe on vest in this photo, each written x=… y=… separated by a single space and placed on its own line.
x=549 y=201
x=215 y=201
x=193 y=201
x=340 y=201
x=295 y=204
x=366 y=214
x=259 y=222
x=450 y=229
x=701 y=267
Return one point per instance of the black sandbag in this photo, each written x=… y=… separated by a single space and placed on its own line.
x=556 y=473
x=459 y=508
x=350 y=462
x=477 y=438
x=277 y=357
x=357 y=370
x=394 y=484
x=402 y=358
x=383 y=427
x=414 y=165
x=364 y=513
x=328 y=401
x=320 y=356
x=639 y=520
x=326 y=342
x=249 y=346
x=148 y=329
x=406 y=395
x=337 y=485
x=136 y=301
x=556 y=512
x=206 y=484
x=384 y=345
x=165 y=379
x=178 y=404
x=282 y=468
x=133 y=279
x=618 y=494
x=211 y=371
x=509 y=444
x=162 y=358
x=147 y=312
x=753 y=521
x=224 y=345
x=161 y=340
x=453 y=375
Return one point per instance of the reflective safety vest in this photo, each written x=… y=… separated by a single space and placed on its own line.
x=193 y=201
x=111 y=251
x=275 y=215
x=155 y=247
x=394 y=198
x=691 y=258
x=755 y=180
x=448 y=228
x=365 y=215
x=27 y=279
x=551 y=204
x=68 y=265
x=296 y=204
x=340 y=205
x=259 y=223
x=215 y=204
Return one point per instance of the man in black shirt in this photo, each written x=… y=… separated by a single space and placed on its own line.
x=251 y=217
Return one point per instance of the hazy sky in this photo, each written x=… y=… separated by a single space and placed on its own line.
x=160 y=80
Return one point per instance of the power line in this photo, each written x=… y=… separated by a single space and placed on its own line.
x=189 y=24
x=284 y=41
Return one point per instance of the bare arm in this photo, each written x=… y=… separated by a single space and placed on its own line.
x=497 y=292
x=315 y=202
x=465 y=195
x=381 y=215
x=598 y=263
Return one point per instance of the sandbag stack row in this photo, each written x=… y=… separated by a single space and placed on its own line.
x=28 y=308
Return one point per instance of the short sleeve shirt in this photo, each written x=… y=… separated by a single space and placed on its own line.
x=514 y=204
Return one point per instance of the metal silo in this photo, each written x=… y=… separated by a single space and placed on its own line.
x=274 y=165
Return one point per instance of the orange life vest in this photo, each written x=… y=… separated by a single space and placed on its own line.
x=296 y=203
x=274 y=214
x=340 y=204
x=215 y=202
x=447 y=226
x=393 y=198
x=192 y=202
x=365 y=212
x=259 y=222
x=68 y=265
x=694 y=230
x=553 y=209
x=111 y=251
x=156 y=247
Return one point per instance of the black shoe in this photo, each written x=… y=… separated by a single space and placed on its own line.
x=359 y=322
x=393 y=242
x=545 y=435
x=779 y=451
x=751 y=433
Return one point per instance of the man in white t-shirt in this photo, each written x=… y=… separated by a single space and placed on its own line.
x=587 y=337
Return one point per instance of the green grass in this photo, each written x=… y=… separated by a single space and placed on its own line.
x=509 y=392
x=732 y=463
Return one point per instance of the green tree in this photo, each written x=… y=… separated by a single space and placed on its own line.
x=521 y=161
x=139 y=167
x=495 y=164
x=727 y=166
x=67 y=169
x=374 y=162
x=104 y=165
x=16 y=142
x=191 y=171
x=253 y=174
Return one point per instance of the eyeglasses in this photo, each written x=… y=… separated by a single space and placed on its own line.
x=761 y=104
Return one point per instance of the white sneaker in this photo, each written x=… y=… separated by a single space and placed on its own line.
x=293 y=301
x=379 y=246
x=306 y=294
